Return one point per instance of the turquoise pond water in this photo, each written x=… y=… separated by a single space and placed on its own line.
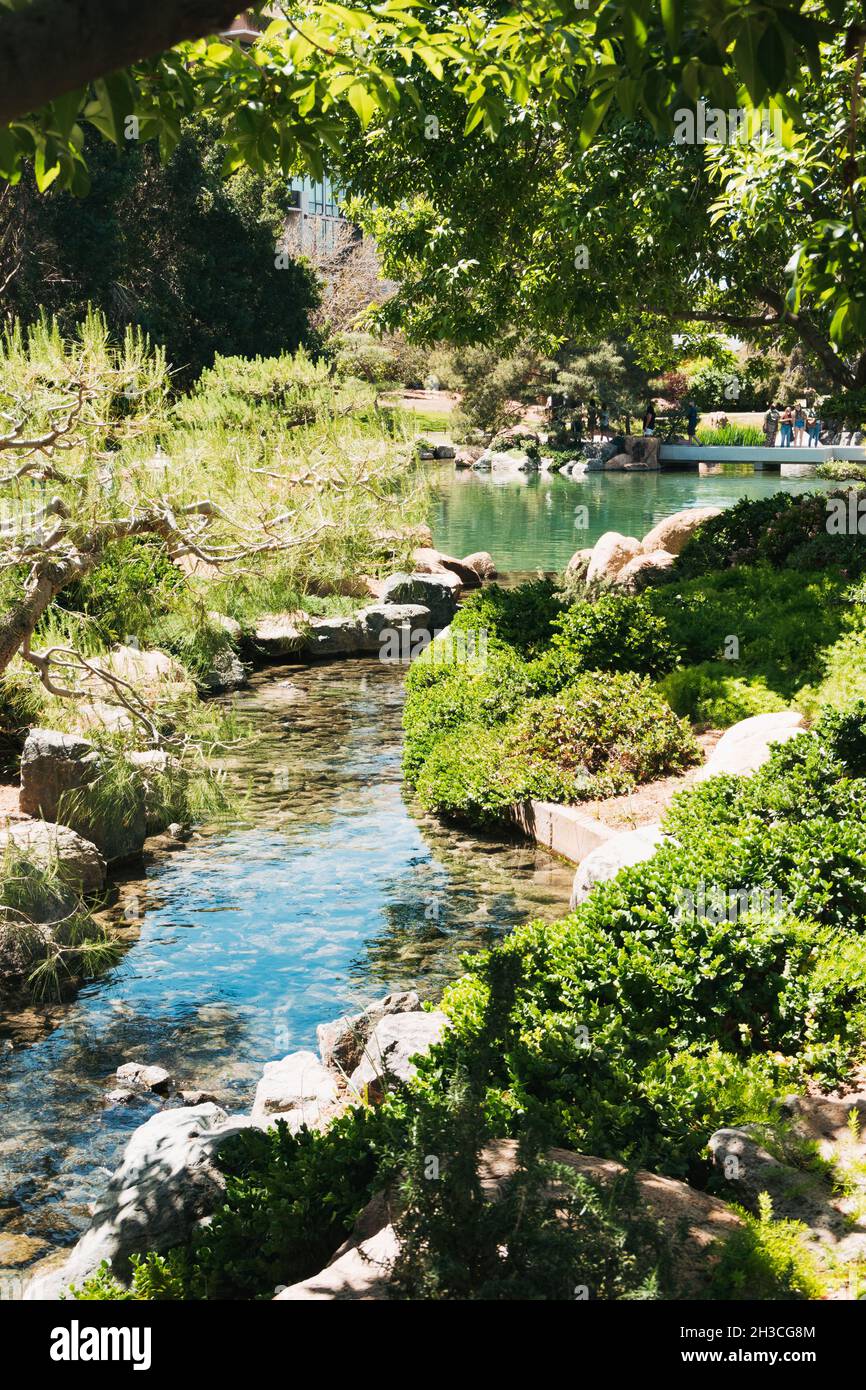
x=333 y=890
x=529 y=521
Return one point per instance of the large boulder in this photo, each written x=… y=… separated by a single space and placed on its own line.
x=56 y=770
x=482 y=562
x=79 y=864
x=361 y=1272
x=437 y=592
x=575 y=570
x=382 y=619
x=296 y=1089
x=672 y=533
x=426 y=560
x=281 y=634
x=620 y=852
x=167 y=1180
x=340 y=636
x=609 y=554
x=746 y=746
x=343 y=1040
x=150 y=672
x=638 y=571
x=392 y=1045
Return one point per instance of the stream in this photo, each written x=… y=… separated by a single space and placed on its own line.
x=330 y=892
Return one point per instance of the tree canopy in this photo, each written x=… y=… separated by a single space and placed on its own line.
x=520 y=146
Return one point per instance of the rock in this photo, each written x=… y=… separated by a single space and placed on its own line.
x=482 y=563
x=745 y=747
x=468 y=456
x=618 y=463
x=437 y=592
x=123 y=1095
x=636 y=572
x=609 y=554
x=198 y=1098
x=297 y=1089
x=749 y=1168
x=148 y=671
x=444 y=451
x=342 y=1041
x=672 y=533
x=79 y=862
x=363 y=1272
x=227 y=673
x=229 y=625
x=575 y=570
x=52 y=765
x=147 y=1078
x=408 y=618
x=426 y=560
x=604 y=863
x=394 y=1041
x=166 y=1182
x=341 y=636
x=55 y=770
x=281 y=634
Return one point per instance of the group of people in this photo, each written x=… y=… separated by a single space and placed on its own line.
x=649 y=420
x=797 y=425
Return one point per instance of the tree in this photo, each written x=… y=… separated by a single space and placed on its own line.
x=175 y=249
x=520 y=95
x=636 y=237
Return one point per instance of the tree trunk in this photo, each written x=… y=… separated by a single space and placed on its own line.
x=54 y=46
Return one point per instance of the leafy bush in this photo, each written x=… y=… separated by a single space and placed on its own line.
x=442 y=698
x=615 y=633
x=783 y=622
x=766 y=1260
x=785 y=530
x=524 y=617
x=599 y=736
x=133 y=583
x=709 y=696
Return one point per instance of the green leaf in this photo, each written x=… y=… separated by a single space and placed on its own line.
x=362 y=103
x=8 y=153
x=114 y=102
x=594 y=114
x=672 y=19
x=746 y=59
x=772 y=60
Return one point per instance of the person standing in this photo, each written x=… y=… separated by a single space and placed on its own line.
x=649 y=419
x=799 y=424
x=813 y=429
x=692 y=422
x=592 y=418
x=771 y=426
x=786 y=424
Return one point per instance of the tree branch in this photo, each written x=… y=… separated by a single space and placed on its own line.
x=54 y=46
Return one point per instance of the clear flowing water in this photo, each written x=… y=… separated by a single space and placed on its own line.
x=535 y=521
x=333 y=892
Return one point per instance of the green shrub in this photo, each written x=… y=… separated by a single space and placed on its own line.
x=783 y=622
x=599 y=736
x=443 y=697
x=709 y=696
x=766 y=1260
x=617 y=632
x=785 y=530
x=524 y=617
x=134 y=582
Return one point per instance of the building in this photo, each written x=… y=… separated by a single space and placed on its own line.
x=315 y=226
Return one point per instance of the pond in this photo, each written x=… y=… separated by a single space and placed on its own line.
x=331 y=892
x=529 y=522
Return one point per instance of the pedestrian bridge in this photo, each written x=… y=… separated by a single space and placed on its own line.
x=760 y=456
